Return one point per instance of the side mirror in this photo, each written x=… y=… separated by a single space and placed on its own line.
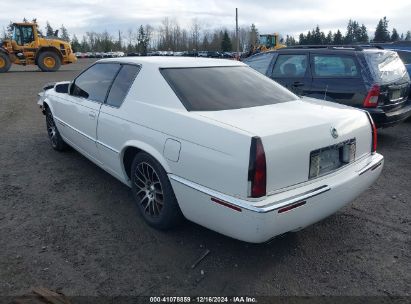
x=62 y=87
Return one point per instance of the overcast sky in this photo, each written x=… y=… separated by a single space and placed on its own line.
x=285 y=16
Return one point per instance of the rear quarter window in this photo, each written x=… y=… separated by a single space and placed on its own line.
x=334 y=66
x=224 y=88
x=260 y=62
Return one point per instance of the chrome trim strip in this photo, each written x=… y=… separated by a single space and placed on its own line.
x=372 y=167
x=76 y=130
x=108 y=147
x=246 y=204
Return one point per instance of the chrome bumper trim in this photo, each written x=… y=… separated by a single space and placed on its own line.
x=241 y=203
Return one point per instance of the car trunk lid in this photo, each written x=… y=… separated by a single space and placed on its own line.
x=292 y=131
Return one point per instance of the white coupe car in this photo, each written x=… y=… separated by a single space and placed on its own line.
x=215 y=142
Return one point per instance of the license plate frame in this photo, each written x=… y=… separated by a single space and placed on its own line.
x=331 y=158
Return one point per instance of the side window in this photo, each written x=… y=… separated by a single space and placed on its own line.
x=290 y=66
x=334 y=66
x=405 y=56
x=94 y=83
x=28 y=36
x=122 y=84
x=260 y=62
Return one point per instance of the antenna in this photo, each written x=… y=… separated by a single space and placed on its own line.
x=325 y=93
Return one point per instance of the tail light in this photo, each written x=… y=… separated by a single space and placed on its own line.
x=257 y=171
x=371 y=101
x=373 y=133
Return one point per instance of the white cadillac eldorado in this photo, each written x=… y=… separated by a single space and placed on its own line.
x=215 y=142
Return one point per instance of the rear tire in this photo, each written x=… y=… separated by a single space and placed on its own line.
x=49 y=61
x=56 y=140
x=5 y=62
x=153 y=193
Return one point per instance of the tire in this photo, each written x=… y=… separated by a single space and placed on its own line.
x=57 y=142
x=49 y=61
x=153 y=193
x=5 y=62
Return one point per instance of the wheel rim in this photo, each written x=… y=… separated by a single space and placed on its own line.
x=2 y=63
x=51 y=130
x=149 y=190
x=49 y=62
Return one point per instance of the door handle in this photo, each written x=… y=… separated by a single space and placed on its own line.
x=298 y=84
x=92 y=115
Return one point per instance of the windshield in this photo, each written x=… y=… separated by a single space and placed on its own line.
x=386 y=65
x=224 y=88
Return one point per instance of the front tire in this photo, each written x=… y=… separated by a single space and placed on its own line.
x=153 y=193
x=56 y=140
x=49 y=61
x=5 y=62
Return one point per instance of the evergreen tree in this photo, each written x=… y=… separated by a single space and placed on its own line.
x=363 y=34
x=394 y=35
x=329 y=39
x=381 y=32
x=253 y=37
x=143 y=40
x=301 y=39
x=64 y=34
x=338 y=38
x=408 y=36
x=75 y=44
x=49 y=30
x=226 y=45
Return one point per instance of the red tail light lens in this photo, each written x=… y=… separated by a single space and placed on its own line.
x=373 y=134
x=257 y=171
x=371 y=101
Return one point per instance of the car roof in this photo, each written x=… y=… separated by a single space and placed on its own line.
x=174 y=62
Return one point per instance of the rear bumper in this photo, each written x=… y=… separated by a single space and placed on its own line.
x=384 y=119
x=259 y=221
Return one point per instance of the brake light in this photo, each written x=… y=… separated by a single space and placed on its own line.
x=373 y=134
x=371 y=101
x=257 y=171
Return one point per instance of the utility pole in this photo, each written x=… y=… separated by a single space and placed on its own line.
x=236 y=34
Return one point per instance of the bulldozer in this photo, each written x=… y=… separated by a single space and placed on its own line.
x=29 y=47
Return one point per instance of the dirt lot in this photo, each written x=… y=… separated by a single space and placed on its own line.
x=65 y=224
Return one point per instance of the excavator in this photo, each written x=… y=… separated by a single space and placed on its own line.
x=29 y=47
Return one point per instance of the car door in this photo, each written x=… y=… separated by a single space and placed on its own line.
x=78 y=111
x=112 y=130
x=336 y=77
x=291 y=70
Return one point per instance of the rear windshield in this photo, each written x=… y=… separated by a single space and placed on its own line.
x=386 y=65
x=224 y=88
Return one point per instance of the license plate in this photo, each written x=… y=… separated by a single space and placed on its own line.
x=328 y=159
x=395 y=95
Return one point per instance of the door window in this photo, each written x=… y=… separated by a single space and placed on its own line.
x=94 y=83
x=334 y=66
x=260 y=62
x=122 y=84
x=290 y=65
x=28 y=36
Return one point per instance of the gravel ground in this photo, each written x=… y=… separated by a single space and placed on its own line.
x=67 y=225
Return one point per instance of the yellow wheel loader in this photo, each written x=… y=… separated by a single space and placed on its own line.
x=29 y=47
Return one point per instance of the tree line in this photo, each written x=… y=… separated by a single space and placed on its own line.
x=171 y=36
x=354 y=34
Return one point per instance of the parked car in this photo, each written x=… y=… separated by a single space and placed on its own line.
x=214 y=141
x=367 y=78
